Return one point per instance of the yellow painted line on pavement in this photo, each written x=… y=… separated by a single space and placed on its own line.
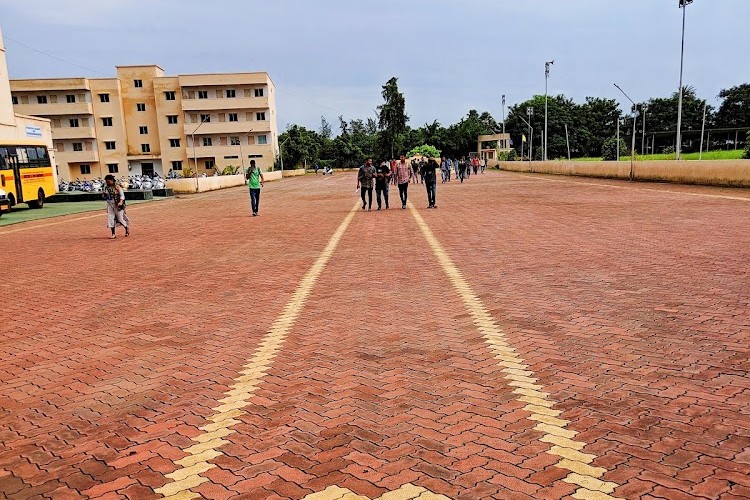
x=525 y=385
x=208 y=443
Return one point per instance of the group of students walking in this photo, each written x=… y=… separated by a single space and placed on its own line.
x=399 y=173
x=463 y=167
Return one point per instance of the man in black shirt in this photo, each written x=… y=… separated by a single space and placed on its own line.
x=429 y=174
x=382 y=180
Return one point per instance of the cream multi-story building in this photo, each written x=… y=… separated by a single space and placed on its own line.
x=144 y=122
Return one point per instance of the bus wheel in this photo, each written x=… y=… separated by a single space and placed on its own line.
x=39 y=202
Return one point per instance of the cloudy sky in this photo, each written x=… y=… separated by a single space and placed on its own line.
x=331 y=57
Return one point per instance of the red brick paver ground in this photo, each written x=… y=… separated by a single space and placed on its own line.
x=629 y=302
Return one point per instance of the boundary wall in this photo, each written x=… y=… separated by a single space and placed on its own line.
x=735 y=173
x=212 y=183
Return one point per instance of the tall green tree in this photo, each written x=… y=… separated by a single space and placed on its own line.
x=300 y=145
x=734 y=110
x=392 y=118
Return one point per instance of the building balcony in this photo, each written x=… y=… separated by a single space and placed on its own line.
x=69 y=156
x=62 y=133
x=228 y=128
x=249 y=103
x=74 y=108
x=218 y=151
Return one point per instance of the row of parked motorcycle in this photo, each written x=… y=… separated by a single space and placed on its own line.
x=97 y=185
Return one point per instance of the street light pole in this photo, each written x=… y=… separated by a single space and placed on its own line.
x=530 y=113
x=546 y=78
x=635 y=118
x=242 y=156
x=703 y=129
x=504 y=144
x=683 y=6
x=643 y=138
x=195 y=157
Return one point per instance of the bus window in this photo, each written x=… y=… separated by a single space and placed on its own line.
x=42 y=154
x=31 y=153
x=3 y=159
x=23 y=158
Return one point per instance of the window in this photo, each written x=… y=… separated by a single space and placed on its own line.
x=174 y=143
x=104 y=97
x=140 y=106
x=203 y=94
x=177 y=165
x=138 y=83
x=14 y=99
x=262 y=139
x=109 y=144
x=74 y=122
x=234 y=140
x=231 y=93
x=41 y=99
x=260 y=116
x=232 y=117
x=77 y=146
x=70 y=98
x=169 y=95
x=205 y=118
x=172 y=119
x=85 y=169
x=107 y=121
x=259 y=92
x=145 y=148
x=207 y=141
x=232 y=157
x=113 y=168
x=210 y=164
x=143 y=130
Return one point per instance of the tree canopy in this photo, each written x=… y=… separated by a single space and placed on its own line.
x=591 y=128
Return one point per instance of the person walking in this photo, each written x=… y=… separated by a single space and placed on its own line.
x=365 y=178
x=475 y=164
x=462 y=167
x=482 y=165
x=114 y=195
x=401 y=175
x=444 y=169
x=382 y=182
x=255 y=181
x=429 y=176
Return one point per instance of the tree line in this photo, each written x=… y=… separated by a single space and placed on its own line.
x=591 y=129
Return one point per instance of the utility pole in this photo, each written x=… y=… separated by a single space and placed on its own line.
x=546 y=79
x=643 y=137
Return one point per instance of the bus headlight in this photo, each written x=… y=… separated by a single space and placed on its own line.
x=3 y=194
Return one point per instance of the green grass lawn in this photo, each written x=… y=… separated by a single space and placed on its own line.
x=21 y=212
x=707 y=155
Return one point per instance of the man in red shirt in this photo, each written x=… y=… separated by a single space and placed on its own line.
x=402 y=174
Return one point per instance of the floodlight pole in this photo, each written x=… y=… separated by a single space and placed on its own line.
x=546 y=78
x=635 y=118
x=683 y=5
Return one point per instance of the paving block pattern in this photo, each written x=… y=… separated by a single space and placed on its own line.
x=534 y=337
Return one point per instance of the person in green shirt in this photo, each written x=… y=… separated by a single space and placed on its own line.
x=255 y=181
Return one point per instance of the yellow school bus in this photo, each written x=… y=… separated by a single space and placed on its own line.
x=25 y=174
